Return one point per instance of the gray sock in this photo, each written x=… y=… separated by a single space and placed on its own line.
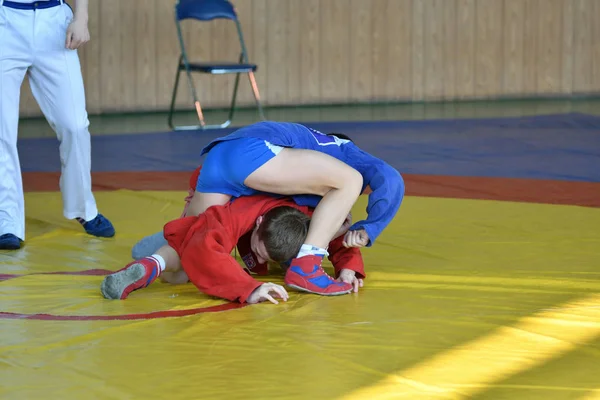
x=148 y=246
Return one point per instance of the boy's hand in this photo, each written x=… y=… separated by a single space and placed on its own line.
x=349 y=276
x=358 y=238
x=264 y=292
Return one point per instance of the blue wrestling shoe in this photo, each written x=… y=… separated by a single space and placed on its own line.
x=8 y=241
x=99 y=226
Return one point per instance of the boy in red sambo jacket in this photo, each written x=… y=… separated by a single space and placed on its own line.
x=199 y=248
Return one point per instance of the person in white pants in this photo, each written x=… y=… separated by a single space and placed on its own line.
x=41 y=39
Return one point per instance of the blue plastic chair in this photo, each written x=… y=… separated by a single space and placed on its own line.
x=208 y=10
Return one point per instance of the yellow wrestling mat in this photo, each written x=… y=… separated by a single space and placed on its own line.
x=464 y=299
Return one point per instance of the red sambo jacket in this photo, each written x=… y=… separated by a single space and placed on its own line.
x=205 y=242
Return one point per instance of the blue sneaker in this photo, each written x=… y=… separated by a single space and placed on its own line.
x=99 y=226
x=8 y=241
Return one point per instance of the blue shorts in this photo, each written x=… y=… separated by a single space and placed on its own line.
x=229 y=163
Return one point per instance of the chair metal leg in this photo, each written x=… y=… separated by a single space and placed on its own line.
x=233 y=99
x=199 y=113
x=197 y=105
x=256 y=95
x=231 y=106
x=196 y=102
x=172 y=108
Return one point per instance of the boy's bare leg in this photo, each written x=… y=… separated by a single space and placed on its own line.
x=140 y=273
x=175 y=277
x=296 y=171
x=200 y=202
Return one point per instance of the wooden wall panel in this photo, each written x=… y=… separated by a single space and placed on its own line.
x=530 y=35
x=450 y=49
x=109 y=40
x=361 y=39
x=278 y=18
x=465 y=50
x=294 y=35
x=417 y=49
x=434 y=44
x=343 y=51
x=145 y=58
x=379 y=46
x=549 y=39
x=335 y=43
x=584 y=44
x=164 y=37
x=129 y=64
x=399 y=69
x=513 y=55
x=488 y=48
x=595 y=44
x=567 y=52
x=90 y=59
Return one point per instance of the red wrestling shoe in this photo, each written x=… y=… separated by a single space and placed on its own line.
x=136 y=275
x=306 y=274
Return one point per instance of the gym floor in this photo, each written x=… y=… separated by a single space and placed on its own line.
x=485 y=286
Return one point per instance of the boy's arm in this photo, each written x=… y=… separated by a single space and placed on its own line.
x=346 y=258
x=208 y=263
x=205 y=243
x=387 y=192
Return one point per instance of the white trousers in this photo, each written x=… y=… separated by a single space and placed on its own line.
x=33 y=42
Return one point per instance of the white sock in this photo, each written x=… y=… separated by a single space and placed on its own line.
x=161 y=261
x=310 y=250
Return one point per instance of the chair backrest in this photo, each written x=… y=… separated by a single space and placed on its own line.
x=204 y=10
